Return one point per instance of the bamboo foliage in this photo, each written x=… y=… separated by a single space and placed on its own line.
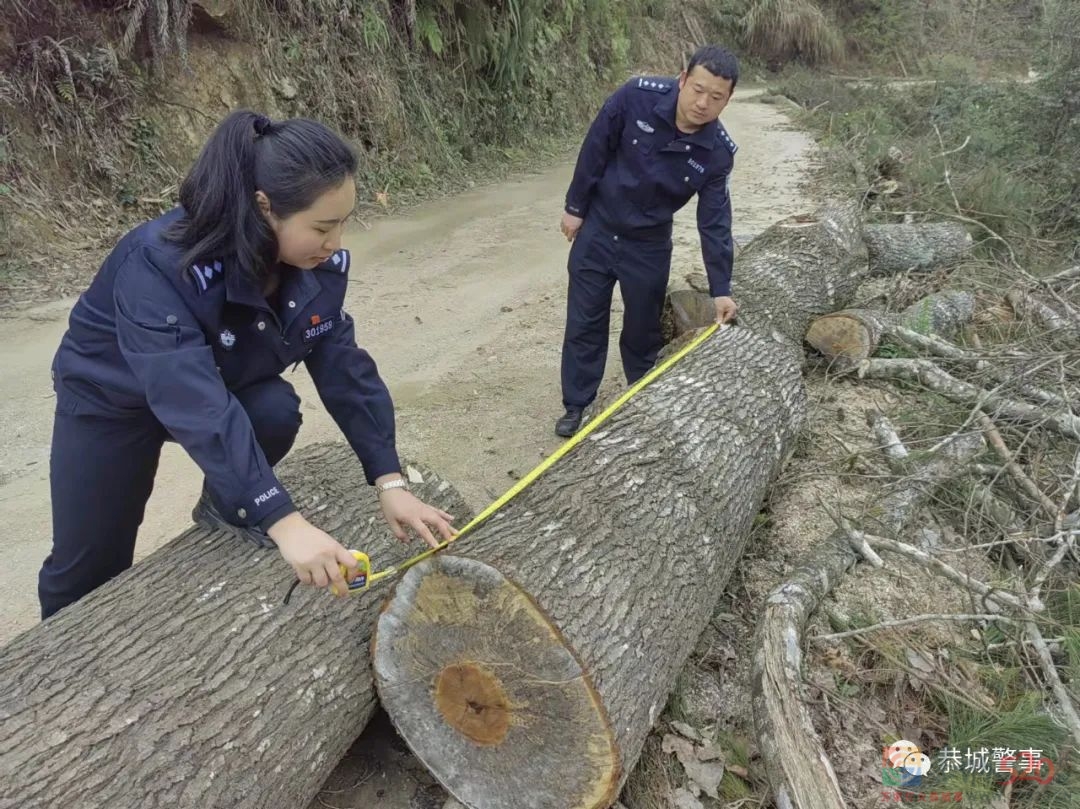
x=786 y=29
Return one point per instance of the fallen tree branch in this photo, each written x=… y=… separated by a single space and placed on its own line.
x=1067 y=544
x=1061 y=693
x=1071 y=491
x=998 y=543
x=785 y=729
x=1018 y=474
x=934 y=345
x=888 y=440
x=928 y=374
x=914 y=619
x=943 y=348
x=863 y=549
x=981 y=589
x=945 y=164
x=1022 y=642
x=1026 y=305
x=1065 y=275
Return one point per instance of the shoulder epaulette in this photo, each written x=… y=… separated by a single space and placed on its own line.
x=655 y=84
x=206 y=275
x=725 y=138
x=337 y=263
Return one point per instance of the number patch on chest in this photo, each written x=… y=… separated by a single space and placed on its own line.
x=318 y=329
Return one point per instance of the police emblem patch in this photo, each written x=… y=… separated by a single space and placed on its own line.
x=228 y=339
x=644 y=127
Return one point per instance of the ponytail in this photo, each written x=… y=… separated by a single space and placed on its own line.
x=293 y=162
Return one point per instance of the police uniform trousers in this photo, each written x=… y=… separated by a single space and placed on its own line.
x=102 y=473
x=599 y=257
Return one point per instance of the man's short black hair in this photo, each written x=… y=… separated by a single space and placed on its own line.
x=718 y=61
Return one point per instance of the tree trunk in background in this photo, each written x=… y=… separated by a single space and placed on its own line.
x=185 y=682
x=526 y=669
x=892 y=249
x=923 y=246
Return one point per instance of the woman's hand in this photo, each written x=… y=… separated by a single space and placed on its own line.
x=403 y=510
x=313 y=553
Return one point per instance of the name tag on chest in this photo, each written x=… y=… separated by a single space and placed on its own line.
x=317 y=330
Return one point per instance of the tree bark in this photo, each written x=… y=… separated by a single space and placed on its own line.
x=921 y=246
x=892 y=248
x=186 y=682
x=798 y=769
x=526 y=669
x=850 y=336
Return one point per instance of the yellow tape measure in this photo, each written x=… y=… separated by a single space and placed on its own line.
x=367 y=577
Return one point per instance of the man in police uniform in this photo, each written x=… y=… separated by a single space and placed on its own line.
x=655 y=143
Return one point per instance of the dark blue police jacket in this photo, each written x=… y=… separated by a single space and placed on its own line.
x=635 y=171
x=150 y=335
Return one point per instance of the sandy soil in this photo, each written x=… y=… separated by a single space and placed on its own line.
x=461 y=302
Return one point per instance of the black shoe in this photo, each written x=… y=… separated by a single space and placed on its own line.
x=569 y=423
x=206 y=514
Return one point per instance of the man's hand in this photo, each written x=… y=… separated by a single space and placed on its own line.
x=725 y=309
x=570 y=226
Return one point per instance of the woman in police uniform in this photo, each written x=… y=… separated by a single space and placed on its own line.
x=183 y=335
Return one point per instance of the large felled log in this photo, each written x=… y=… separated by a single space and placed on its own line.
x=848 y=337
x=187 y=683
x=799 y=772
x=526 y=668
x=918 y=246
x=892 y=248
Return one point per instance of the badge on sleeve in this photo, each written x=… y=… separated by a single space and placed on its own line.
x=318 y=327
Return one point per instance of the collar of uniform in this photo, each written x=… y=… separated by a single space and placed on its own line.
x=300 y=288
x=665 y=108
x=243 y=289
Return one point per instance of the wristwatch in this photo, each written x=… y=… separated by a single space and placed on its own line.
x=396 y=483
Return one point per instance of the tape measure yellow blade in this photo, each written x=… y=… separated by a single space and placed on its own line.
x=546 y=464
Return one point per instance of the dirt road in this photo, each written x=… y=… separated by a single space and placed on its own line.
x=460 y=301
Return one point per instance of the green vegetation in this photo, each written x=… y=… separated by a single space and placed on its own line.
x=791 y=28
x=114 y=98
x=999 y=153
x=425 y=88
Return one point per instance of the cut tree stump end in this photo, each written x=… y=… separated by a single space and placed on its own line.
x=839 y=337
x=479 y=681
x=472 y=701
